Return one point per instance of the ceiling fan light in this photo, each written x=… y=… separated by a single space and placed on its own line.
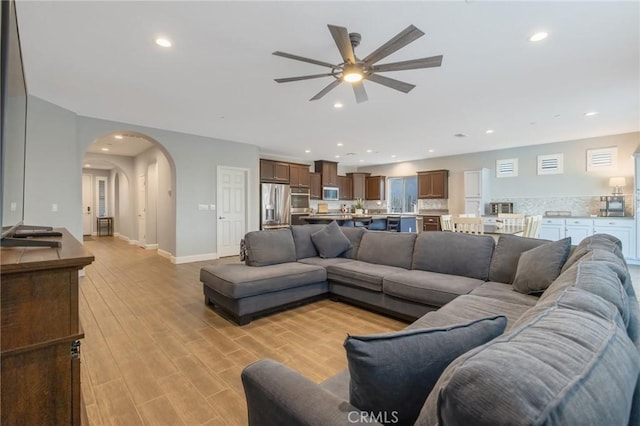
x=352 y=76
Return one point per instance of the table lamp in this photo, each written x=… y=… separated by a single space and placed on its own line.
x=617 y=183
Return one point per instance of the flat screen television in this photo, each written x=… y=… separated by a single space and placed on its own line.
x=13 y=123
x=13 y=138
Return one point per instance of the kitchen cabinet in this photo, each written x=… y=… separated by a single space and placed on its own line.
x=579 y=228
x=345 y=188
x=358 y=184
x=433 y=184
x=623 y=229
x=299 y=175
x=431 y=223
x=476 y=191
x=374 y=188
x=328 y=171
x=315 y=186
x=274 y=171
x=552 y=229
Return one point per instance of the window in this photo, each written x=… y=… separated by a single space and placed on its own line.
x=102 y=196
x=403 y=194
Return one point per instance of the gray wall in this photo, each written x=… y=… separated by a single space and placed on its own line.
x=57 y=140
x=575 y=182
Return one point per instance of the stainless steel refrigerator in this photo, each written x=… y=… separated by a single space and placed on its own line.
x=276 y=205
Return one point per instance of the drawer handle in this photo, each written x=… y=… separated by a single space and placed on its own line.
x=576 y=222
x=612 y=223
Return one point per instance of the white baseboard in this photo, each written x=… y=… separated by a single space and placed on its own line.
x=151 y=246
x=166 y=255
x=194 y=258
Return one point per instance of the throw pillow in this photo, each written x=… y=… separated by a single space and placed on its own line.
x=539 y=267
x=393 y=373
x=504 y=261
x=330 y=241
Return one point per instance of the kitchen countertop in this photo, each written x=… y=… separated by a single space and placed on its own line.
x=591 y=217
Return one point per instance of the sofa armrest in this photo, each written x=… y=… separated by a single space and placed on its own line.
x=277 y=395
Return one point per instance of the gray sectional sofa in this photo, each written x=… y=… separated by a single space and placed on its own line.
x=520 y=332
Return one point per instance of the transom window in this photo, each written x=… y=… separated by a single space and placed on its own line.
x=403 y=194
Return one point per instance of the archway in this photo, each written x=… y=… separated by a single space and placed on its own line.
x=140 y=196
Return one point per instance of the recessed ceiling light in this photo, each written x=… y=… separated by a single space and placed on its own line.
x=338 y=105
x=337 y=156
x=87 y=165
x=393 y=156
x=362 y=161
x=489 y=131
x=590 y=113
x=539 y=36
x=163 y=42
x=369 y=151
x=307 y=151
x=118 y=136
x=460 y=135
x=339 y=143
x=104 y=149
x=431 y=150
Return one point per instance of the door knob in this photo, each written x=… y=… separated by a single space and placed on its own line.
x=220 y=217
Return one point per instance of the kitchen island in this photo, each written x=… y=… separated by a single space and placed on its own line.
x=374 y=222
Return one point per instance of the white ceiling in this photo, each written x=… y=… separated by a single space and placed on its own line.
x=99 y=60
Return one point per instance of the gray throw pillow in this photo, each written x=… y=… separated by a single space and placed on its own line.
x=393 y=373
x=539 y=267
x=330 y=241
x=504 y=261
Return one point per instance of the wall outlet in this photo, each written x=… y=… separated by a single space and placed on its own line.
x=213 y=207
x=54 y=207
x=14 y=206
x=203 y=206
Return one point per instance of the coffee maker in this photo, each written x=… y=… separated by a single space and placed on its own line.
x=612 y=205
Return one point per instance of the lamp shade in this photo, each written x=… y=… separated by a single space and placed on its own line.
x=617 y=182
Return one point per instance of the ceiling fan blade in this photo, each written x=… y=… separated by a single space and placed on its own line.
x=361 y=94
x=405 y=37
x=433 y=61
x=303 y=59
x=390 y=82
x=302 y=77
x=326 y=90
x=341 y=37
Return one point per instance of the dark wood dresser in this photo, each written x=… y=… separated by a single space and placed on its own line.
x=40 y=332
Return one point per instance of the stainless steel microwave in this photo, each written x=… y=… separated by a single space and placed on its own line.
x=330 y=193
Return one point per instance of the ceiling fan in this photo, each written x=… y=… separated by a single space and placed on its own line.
x=354 y=70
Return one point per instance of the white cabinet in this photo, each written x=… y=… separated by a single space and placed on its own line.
x=476 y=191
x=578 y=229
x=623 y=229
x=552 y=229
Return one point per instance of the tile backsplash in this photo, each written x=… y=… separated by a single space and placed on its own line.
x=578 y=206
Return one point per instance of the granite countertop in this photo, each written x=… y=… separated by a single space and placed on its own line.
x=591 y=217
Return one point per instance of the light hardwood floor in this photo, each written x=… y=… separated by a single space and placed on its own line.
x=154 y=354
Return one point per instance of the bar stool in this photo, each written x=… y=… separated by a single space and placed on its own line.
x=393 y=223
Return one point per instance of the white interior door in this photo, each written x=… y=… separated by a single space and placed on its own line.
x=87 y=205
x=142 y=210
x=232 y=196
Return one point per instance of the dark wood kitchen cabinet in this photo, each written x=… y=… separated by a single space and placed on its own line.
x=374 y=188
x=431 y=223
x=345 y=187
x=274 y=171
x=315 y=186
x=433 y=184
x=358 y=184
x=41 y=332
x=329 y=172
x=299 y=175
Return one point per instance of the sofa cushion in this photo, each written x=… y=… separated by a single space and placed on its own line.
x=269 y=247
x=454 y=253
x=330 y=241
x=539 y=267
x=319 y=261
x=430 y=288
x=302 y=239
x=595 y=277
x=604 y=242
x=393 y=373
x=355 y=237
x=504 y=261
x=569 y=364
x=502 y=291
x=237 y=280
x=361 y=274
x=387 y=248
